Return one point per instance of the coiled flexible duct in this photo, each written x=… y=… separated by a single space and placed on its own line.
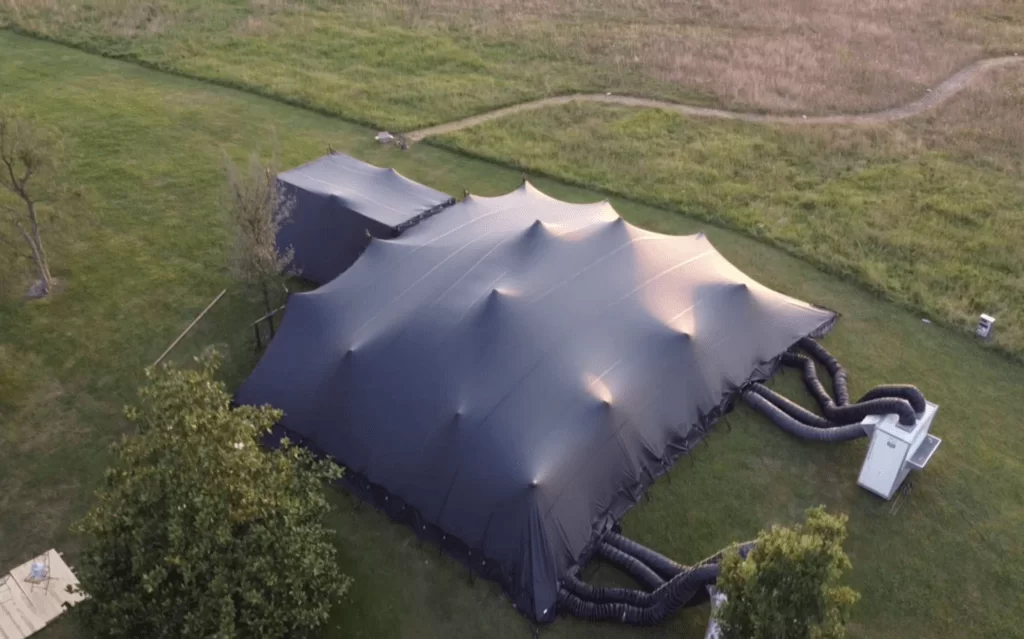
x=682 y=590
x=635 y=607
x=639 y=570
x=791 y=408
x=800 y=429
x=850 y=413
x=902 y=391
x=657 y=561
x=835 y=369
x=608 y=594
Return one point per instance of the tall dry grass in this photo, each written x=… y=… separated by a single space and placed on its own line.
x=789 y=55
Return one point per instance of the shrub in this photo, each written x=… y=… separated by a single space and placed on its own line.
x=200 y=532
x=788 y=585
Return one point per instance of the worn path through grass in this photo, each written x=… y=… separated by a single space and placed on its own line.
x=932 y=98
x=147 y=151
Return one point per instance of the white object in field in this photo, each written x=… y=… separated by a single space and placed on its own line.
x=718 y=598
x=895 y=450
x=24 y=609
x=985 y=325
x=384 y=137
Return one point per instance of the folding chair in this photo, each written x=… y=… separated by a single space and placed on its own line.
x=39 y=573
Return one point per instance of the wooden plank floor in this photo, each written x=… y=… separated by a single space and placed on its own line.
x=26 y=607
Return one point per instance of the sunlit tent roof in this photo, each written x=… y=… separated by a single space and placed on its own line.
x=512 y=373
x=338 y=200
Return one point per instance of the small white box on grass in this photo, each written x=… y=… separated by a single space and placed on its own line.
x=986 y=323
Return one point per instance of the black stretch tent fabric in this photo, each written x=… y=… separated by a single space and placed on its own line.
x=338 y=200
x=516 y=371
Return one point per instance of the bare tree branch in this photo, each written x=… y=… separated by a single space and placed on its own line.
x=30 y=152
x=9 y=163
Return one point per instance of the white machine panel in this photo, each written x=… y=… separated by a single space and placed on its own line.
x=895 y=450
x=883 y=464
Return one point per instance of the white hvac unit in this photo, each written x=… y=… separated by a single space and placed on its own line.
x=895 y=450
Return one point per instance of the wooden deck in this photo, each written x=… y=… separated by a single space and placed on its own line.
x=26 y=607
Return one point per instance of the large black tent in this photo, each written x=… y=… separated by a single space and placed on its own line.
x=338 y=200
x=510 y=375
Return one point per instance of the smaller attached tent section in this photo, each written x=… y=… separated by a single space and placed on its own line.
x=339 y=203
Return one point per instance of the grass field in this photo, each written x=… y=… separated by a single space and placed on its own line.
x=928 y=212
x=147 y=151
x=405 y=64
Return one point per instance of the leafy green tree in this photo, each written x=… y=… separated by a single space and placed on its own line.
x=201 y=532
x=788 y=585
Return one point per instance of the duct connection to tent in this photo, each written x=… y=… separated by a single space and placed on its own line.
x=668 y=585
x=841 y=420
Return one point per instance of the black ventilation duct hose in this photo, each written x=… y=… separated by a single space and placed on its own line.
x=639 y=570
x=791 y=408
x=901 y=391
x=835 y=369
x=608 y=594
x=636 y=607
x=686 y=588
x=850 y=413
x=655 y=560
x=811 y=381
x=802 y=430
x=883 y=406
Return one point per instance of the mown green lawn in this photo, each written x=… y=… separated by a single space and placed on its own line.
x=147 y=152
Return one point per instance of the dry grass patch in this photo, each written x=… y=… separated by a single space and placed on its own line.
x=788 y=56
x=829 y=55
x=985 y=124
x=982 y=125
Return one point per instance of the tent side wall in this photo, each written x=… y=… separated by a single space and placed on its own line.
x=533 y=591
x=326 y=236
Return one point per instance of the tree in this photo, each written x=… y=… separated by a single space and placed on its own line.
x=788 y=585
x=257 y=211
x=199 y=531
x=30 y=159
